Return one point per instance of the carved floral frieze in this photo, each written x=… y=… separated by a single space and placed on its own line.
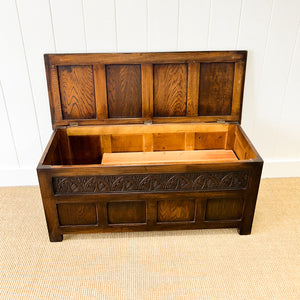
x=205 y=181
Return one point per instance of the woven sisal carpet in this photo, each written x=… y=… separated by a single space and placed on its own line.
x=199 y=264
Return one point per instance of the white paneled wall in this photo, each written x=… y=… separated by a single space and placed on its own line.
x=268 y=29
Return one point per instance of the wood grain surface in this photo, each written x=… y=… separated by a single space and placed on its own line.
x=170 y=90
x=124 y=91
x=131 y=88
x=121 y=143
x=77 y=214
x=85 y=149
x=224 y=209
x=162 y=157
x=216 y=89
x=77 y=92
x=168 y=141
x=126 y=212
x=175 y=210
x=210 y=140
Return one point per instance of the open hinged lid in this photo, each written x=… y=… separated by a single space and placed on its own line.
x=87 y=89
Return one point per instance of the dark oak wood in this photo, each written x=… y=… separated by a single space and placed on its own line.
x=193 y=89
x=216 y=88
x=175 y=210
x=147 y=91
x=77 y=214
x=124 y=93
x=148 y=57
x=100 y=89
x=77 y=92
x=224 y=209
x=85 y=149
x=170 y=90
x=99 y=103
x=126 y=212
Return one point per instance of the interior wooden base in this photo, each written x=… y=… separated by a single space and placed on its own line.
x=148 y=144
x=150 y=158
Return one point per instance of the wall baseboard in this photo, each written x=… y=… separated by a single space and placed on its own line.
x=272 y=169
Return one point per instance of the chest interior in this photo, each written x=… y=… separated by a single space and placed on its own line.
x=100 y=104
x=148 y=144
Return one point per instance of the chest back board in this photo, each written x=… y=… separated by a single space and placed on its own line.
x=91 y=89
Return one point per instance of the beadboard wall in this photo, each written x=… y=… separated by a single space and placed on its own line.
x=268 y=29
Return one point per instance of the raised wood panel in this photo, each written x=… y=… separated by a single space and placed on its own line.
x=216 y=89
x=77 y=214
x=170 y=90
x=126 y=212
x=124 y=91
x=224 y=209
x=132 y=88
x=77 y=92
x=175 y=210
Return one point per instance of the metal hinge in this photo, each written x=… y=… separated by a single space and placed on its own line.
x=73 y=124
x=221 y=121
x=148 y=122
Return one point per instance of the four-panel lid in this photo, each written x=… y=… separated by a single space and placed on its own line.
x=93 y=89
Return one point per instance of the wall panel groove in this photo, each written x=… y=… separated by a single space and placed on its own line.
x=51 y=18
x=16 y=87
x=8 y=150
x=28 y=73
x=116 y=30
x=239 y=26
x=84 y=25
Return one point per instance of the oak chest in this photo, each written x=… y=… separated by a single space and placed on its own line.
x=147 y=141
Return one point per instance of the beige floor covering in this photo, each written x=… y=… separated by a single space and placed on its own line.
x=197 y=264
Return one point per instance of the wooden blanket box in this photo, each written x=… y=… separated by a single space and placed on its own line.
x=147 y=141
